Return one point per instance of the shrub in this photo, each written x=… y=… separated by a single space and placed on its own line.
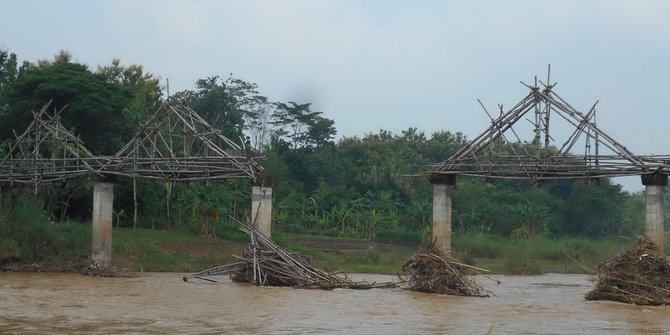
x=29 y=236
x=230 y=232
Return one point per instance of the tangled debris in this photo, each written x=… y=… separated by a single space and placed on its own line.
x=432 y=271
x=263 y=263
x=95 y=269
x=640 y=276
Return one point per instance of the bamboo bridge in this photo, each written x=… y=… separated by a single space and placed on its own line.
x=499 y=153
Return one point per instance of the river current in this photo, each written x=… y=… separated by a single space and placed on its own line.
x=161 y=303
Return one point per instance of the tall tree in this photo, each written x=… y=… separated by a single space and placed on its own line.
x=94 y=105
x=143 y=87
x=214 y=102
x=297 y=126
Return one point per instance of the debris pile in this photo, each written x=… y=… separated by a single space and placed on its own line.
x=432 y=271
x=95 y=269
x=640 y=276
x=263 y=263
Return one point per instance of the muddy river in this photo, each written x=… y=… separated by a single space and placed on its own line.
x=161 y=303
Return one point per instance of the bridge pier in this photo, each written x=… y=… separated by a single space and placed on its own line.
x=442 y=188
x=654 y=193
x=103 y=202
x=261 y=209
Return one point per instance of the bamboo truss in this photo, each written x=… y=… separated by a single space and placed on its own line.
x=545 y=157
x=46 y=152
x=176 y=144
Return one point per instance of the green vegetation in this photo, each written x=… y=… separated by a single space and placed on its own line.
x=354 y=188
x=27 y=237
x=540 y=255
x=180 y=251
x=173 y=251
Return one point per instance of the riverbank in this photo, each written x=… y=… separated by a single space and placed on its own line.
x=145 y=250
x=179 y=251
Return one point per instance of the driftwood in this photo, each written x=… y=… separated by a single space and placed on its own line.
x=638 y=276
x=432 y=271
x=263 y=263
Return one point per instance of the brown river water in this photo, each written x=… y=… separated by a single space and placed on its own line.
x=161 y=303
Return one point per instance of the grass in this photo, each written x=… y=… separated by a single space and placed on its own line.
x=170 y=251
x=501 y=255
x=177 y=251
x=183 y=251
x=366 y=261
x=26 y=238
x=534 y=256
x=349 y=255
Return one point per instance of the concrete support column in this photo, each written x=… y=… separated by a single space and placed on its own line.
x=654 y=192
x=103 y=201
x=261 y=209
x=442 y=188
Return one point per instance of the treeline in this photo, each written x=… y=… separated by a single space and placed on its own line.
x=371 y=187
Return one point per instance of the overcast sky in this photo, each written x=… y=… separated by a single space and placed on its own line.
x=373 y=65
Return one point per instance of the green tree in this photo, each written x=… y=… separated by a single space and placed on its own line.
x=214 y=101
x=143 y=87
x=94 y=106
x=297 y=126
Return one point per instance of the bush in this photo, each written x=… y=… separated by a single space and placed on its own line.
x=28 y=235
x=230 y=232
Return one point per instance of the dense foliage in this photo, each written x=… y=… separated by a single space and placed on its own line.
x=371 y=187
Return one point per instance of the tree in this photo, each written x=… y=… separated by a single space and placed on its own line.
x=300 y=127
x=593 y=209
x=8 y=67
x=94 y=105
x=143 y=87
x=213 y=100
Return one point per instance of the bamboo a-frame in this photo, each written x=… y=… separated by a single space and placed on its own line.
x=175 y=144
x=46 y=152
x=499 y=152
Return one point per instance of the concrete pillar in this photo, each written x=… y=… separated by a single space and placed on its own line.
x=654 y=192
x=442 y=188
x=261 y=209
x=103 y=201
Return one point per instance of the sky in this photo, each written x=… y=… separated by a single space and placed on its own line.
x=383 y=64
